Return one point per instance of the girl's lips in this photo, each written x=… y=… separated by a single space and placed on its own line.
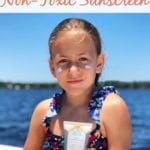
x=74 y=81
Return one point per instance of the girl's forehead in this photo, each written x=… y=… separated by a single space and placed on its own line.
x=73 y=42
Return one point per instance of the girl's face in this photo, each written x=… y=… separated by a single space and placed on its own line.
x=75 y=62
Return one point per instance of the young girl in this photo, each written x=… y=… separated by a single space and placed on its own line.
x=76 y=61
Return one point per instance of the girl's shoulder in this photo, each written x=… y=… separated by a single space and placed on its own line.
x=41 y=109
x=114 y=106
x=114 y=100
x=43 y=105
x=115 y=117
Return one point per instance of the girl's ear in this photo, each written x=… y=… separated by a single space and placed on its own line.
x=100 y=63
x=51 y=66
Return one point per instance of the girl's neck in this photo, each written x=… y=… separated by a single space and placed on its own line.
x=77 y=100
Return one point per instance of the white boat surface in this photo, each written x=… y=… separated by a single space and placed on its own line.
x=9 y=147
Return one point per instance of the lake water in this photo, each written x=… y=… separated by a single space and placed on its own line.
x=16 y=107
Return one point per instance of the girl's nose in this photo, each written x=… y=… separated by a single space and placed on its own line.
x=74 y=67
x=74 y=70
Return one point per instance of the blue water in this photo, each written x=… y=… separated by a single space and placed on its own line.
x=16 y=107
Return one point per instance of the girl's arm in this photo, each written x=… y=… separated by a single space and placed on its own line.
x=36 y=134
x=116 y=120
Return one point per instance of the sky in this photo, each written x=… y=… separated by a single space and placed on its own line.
x=24 y=45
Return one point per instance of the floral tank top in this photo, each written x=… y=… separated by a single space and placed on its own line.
x=56 y=142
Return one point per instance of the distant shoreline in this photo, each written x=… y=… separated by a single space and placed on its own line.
x=117 y=84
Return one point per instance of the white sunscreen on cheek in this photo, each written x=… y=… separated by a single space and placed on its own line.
x=59 y=70
x=76 y=135
x=87 y=66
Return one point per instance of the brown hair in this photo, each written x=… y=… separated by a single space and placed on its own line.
x=77 y=24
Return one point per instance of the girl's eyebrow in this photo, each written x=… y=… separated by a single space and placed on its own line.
x=66 y=56
x=82 y=53
x=60 y=55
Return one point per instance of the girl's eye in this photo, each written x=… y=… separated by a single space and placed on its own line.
x=62 y=61
x=83 y=59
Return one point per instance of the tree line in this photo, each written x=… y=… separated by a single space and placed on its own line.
x=117 y=84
